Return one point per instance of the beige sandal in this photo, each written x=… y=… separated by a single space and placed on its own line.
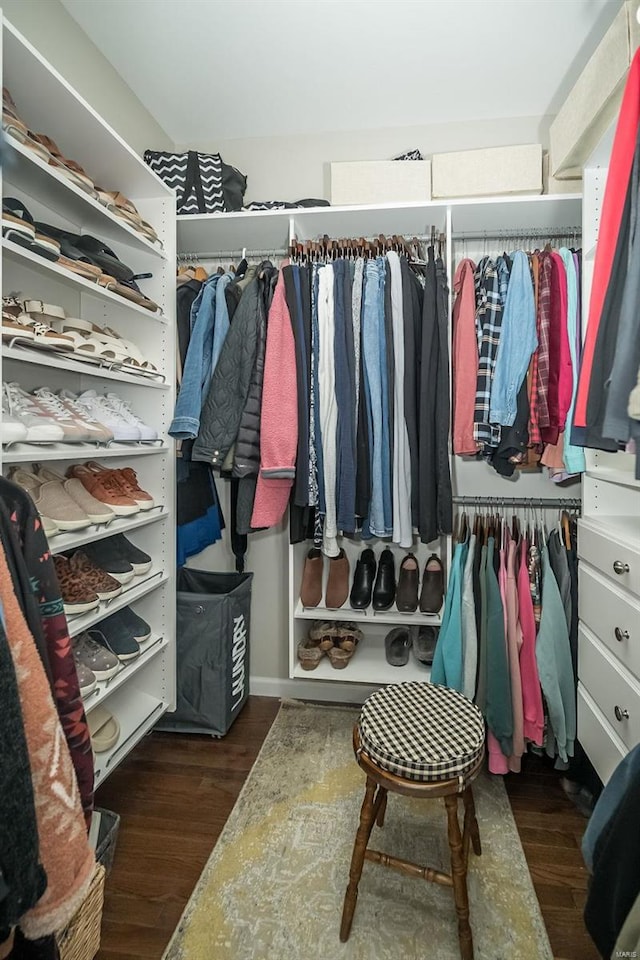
x=309 y=653
x=324 y=633
x=349 y=636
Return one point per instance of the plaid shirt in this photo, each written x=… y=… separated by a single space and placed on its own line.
x=540 y=386
x=488 y=323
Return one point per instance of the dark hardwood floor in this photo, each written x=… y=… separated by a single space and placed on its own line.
x=174 y=794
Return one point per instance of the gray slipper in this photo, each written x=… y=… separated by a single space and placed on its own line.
x=397 y=645
x=424 y=643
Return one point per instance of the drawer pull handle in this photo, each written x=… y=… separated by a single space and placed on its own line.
x=621 y=634
x=619 y=567
x=621 y=714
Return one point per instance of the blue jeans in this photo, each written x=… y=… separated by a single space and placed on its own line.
x=386 y=426
x=374 y=365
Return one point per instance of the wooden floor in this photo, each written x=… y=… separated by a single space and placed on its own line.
x=174 y=794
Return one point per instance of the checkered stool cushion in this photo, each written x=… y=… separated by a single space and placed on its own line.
x=422 y=731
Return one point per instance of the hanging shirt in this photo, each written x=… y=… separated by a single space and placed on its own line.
x=488 y=325
x=465 y=360
x=518 y=340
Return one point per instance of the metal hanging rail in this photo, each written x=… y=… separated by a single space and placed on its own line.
x=231 y=254
x=539 y=233
x=540 y=503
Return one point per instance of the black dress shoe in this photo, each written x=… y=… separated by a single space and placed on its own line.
x=363 y=578
x=408 y=581
x=384 y=591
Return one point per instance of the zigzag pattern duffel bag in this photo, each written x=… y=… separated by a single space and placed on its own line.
x=203 y=182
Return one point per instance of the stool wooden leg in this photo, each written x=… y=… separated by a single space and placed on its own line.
x=470 y=805
x=459 y=874
x=382 y=793
x=367 y=816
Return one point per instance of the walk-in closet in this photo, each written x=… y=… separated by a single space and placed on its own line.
x=319 y=480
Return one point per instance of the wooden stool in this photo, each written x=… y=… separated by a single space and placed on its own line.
x=426 y=741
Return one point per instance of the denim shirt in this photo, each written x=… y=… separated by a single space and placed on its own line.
x=518 y=340
x=221 y=325
x=197 y=366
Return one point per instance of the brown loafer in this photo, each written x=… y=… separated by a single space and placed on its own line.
x=408 y=582
x=432 y=593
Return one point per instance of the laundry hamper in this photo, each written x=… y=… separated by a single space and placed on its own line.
x=80 y=939
x=212 y=651
x=107 y=837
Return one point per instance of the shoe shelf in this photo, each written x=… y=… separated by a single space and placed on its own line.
x=139 y=587
x=71 y=541
x=136 y=714
x=367 y=666
x=145 y=688
x=370 y=616
x=35 y=453
x=14 y=252
x=105 y=688
x=64 y=361
x=45 y=183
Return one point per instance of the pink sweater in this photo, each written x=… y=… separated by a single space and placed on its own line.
x=465 y=360
x=531 y=693
x=279 y=416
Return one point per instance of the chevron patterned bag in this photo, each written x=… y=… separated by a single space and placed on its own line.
x=203 y=182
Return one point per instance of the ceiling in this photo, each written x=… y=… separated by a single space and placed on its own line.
x=222 y=69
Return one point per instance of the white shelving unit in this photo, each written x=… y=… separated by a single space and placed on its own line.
x=144 y=689
x=274 y=230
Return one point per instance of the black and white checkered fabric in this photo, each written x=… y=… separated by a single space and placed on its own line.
x=410 y=155
x=422 y=731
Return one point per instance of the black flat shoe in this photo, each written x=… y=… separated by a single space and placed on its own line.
x=384 y=591
x=363 y=578
x=397 y=645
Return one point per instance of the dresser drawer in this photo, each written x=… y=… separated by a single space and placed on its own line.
x=614 y=690
x=603 y=747
x=608 y=552
x=613 y=615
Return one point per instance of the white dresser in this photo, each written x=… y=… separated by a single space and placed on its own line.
x=609 y=554
x=609 y=608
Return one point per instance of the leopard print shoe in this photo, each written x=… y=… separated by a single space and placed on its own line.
x=77 y=595
x=95 y=577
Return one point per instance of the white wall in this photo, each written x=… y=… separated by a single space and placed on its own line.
x=48 y=26
x=291 y=168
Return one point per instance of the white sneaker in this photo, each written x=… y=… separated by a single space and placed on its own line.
x=75 y=429
x=12 y=429
x=99 y=408
x=41 y=428
x=122 y=408
x=99 y=433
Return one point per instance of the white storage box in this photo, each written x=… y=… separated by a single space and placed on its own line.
x=488 y=173
x=594 y=101
x=380 y=181
x=554 y=184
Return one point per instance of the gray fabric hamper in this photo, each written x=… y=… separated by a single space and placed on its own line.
x=212 y=641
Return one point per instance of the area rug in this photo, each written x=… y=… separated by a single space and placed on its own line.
x=275 y=881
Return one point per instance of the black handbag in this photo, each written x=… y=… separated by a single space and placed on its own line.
x=203 y=182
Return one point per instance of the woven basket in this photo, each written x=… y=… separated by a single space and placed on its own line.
x=80 y=939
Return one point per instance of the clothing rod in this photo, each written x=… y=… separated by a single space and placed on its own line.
x=525 y=233
x=230 y=254
x=538 y=502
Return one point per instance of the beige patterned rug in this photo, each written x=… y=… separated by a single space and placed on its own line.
x=274 y=884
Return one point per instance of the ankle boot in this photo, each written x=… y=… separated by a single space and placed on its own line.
x=384 y=591
x=338 y=582
x=311 y=588
x=363 y=578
